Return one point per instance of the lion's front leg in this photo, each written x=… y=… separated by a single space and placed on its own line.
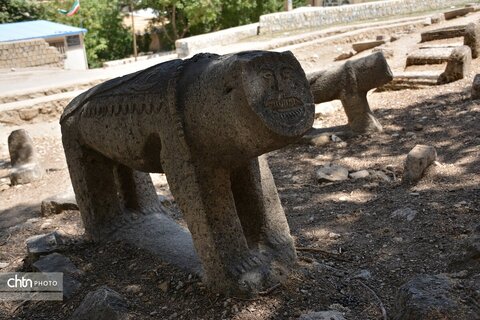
x=205 y=198
x=261 y=212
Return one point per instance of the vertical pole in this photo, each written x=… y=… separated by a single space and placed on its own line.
x=133 y=32
x=288 y=5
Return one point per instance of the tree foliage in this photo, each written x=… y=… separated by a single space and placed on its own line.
x=107 y=38
x=181 y=18
x=19 y=10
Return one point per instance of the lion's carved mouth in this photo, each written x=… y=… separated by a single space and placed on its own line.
x=284 y=105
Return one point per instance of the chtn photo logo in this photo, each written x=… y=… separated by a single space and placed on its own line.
x=17 y=282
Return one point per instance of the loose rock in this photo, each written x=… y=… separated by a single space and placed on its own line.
x=359 y=174
x=24 y=159
x=102 y=304
x=45 y=243
x=56 y=262
x=426 y=297
x=332 y=173
x=58 y=204
x=476 y=87
x=418 y=159
x=322 y=315
x=404 y=213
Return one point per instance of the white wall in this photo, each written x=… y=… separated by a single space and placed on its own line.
x=76 y=56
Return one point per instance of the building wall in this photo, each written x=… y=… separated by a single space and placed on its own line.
x=76 y=57
x=29 y=53
x=316 y=17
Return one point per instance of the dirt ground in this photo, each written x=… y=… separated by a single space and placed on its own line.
x=353 y=255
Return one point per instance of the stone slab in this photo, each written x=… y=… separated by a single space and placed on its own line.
x=476 y=87
x=429 y=56
x=452 y=14
x=443 y=33
x=365 y=45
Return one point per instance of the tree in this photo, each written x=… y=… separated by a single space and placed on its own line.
x=19 y=10
x=106 y=38
x=181 y=18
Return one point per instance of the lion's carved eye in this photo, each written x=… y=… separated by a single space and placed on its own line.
x=267 y=74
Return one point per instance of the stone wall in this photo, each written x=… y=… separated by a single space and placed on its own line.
x=315 y=17
x=30 y=53
x=195 y=44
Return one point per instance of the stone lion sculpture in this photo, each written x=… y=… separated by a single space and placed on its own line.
x=205 y=122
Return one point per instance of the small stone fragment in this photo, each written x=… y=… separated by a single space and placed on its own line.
x=404 y=213
x=320 y=140
x=24 y=159
x=3 y=265
x=322 y=315
x=102 y=304
x=362 y=46
x=359 y=174
x=418 y=159
x=344 y=55
x=476 y=87
x=56 y=262
x=332 y=173
x=45 y=243
x=58 y=204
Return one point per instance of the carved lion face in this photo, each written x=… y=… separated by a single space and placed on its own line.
x=277 y=90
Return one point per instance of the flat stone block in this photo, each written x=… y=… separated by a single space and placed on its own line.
x=458 y=13
x=362 y=46
x=429 y=56
x=443 y=33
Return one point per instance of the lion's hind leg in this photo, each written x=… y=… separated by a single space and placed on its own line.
x=136 y=190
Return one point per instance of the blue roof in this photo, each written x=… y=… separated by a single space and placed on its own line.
x=36 y=29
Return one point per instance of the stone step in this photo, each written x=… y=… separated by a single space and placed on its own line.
x=37 y=109
x=430 y=56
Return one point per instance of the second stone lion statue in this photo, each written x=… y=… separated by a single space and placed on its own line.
x=205 y=122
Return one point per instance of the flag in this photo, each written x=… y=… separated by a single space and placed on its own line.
x=74 y=9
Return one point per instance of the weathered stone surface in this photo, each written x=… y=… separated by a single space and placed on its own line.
x=362 y=46
x=457 y=13
x=350 y=83
x=204 y=122
x=429 y=56
x=458 y=66
x=332 y=173
x=359 y=174
x=58 y=204
x=322 y=315
x=426 y=297
x=443 y=33
x=387 y=52
x=472 y=38
x=404 y=213
x=437 y=18
x=24 y=159
x=102 y=304
x=476 y=87
x=418 y=159
x=45 y=243
x=320 y=140
x=344 y=55
x=56 y=262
